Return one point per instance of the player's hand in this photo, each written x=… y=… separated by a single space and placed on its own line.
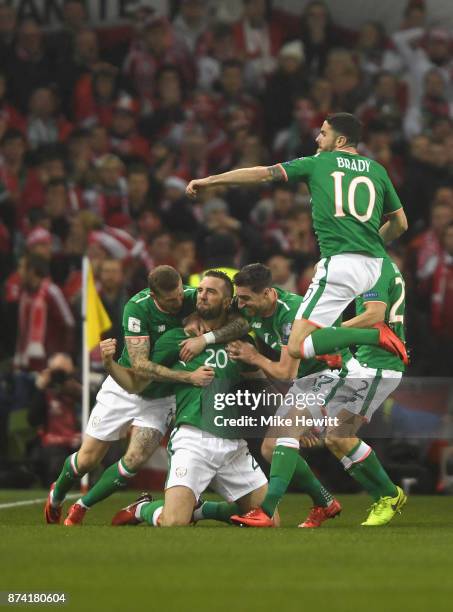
x=202 y=377
x=108 y=350
x=194 y=325
x=309 y=440
x=191 y=347
x=243 y=351
x=194 y=187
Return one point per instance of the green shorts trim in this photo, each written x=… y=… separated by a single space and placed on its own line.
x=318 y=293
x=372 y=392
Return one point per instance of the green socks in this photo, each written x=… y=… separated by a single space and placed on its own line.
x=148 y=513
x=287 y=465
x=114 y=477
x=217 y=511
x=364 y=466
x=333 y=339
x=68 y=475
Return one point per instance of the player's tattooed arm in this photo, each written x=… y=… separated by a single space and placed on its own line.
x=276 y=173
x=235 y=328
x=138 y=348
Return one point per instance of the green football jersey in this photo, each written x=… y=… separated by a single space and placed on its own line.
x=350 y=194
x=198 y=406
x=390 y=290
x=275 y=329
x=143 y=317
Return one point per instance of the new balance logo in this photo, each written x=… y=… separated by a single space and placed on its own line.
x=161 y=328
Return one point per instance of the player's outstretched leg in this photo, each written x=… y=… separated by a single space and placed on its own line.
x=362 y=464
x=288 y=466
x=333 y=339
x=75 y=466
x=143 y=442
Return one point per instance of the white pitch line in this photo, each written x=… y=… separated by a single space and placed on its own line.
x=30 y=502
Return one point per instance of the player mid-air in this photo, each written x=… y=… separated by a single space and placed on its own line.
x=350 y=195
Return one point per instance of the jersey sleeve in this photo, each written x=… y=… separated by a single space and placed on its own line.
x=392 y=203
x=135 y=321
x=166 y=350
x=297 y=169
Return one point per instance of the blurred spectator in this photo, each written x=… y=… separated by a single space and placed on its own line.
x=54 y=411
x=318 y=36
x=125 y=139
x=168 y=113
x=282 y=274
x=185 y=253
x=12 y=174
x=258 y=38
x=285 y=85
x=191 y=22
x=442 y=303
x=157 y=46
x=298 y=139
x=46 y=324
x=109 y=198
x=44 y=123
x=9 y=116
x=386 y=104
x=113 y=295
x=176 y=209
x=7 y=34
x=218 y=47
x=370 y=48
x=138 y=190
x=428 y=248
x=434 y=105
x=233 y=93
x=30 y=67
x=95 y=94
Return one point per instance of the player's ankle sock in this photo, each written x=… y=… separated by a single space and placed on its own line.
x=284 y=460
x=216 y=511
x=68 y=475
x=332 y=339
x=353 y=463
x=376 y=472
x=306 y=481
x=113 y=478
x=150 y=511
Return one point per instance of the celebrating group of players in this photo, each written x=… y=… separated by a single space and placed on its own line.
x=184 y=345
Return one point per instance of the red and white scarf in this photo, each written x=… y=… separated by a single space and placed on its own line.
x=32 y=326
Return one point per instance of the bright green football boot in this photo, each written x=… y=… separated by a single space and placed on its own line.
x=385 y=509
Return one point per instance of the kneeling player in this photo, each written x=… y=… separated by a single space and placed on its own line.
x=199 y=456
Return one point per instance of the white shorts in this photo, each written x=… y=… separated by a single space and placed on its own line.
x=363 y=390
x=198 y=459
x=337 y=282
x=310 y=392
x=116 y=409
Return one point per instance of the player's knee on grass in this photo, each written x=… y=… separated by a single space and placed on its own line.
x=267 y=448
x=143 y=443
x=91 y=453
x=178 y=507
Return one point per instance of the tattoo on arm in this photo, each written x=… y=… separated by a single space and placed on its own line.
x=275 y=173
x=138 y=348
x=233 y=330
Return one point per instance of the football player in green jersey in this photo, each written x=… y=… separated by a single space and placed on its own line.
x=373 y=376
x=201 y=451
x=147 y=316
x=350 y=195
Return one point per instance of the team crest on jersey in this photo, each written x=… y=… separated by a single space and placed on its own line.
x=134 y=325
x=161 y=328
x=286 y=330
x=257 y=325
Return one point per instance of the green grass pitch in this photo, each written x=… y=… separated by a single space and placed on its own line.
x=407 y=565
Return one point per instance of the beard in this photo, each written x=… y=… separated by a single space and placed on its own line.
x=207 y=313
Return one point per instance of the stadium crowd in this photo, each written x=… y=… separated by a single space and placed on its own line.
x=101 y=130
